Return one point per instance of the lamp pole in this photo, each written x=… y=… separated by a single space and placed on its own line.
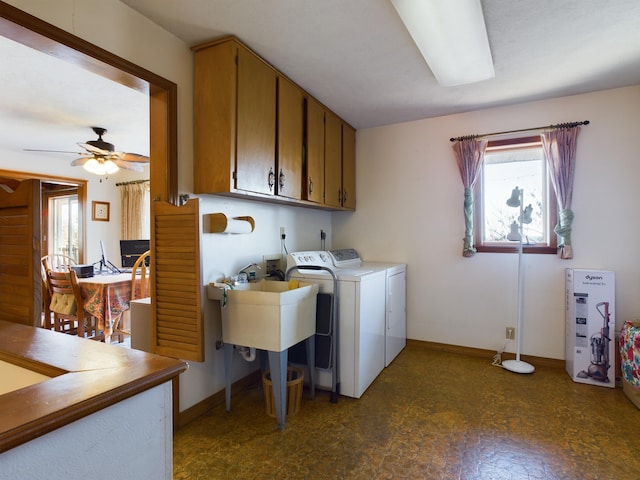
x=517 y=365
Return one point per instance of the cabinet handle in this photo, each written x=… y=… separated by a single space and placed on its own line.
x=271 y=179
x=310 y=185
x=344 y=196
x=340 y=197
x=281 y=180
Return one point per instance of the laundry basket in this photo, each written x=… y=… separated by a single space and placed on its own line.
x=295 y=379
x=630 y=360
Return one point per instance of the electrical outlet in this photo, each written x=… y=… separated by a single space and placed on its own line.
x=282 y=233
x=510 y=333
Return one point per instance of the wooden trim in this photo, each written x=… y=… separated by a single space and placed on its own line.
x=87 y=377
x=163 y=94
x=479 y=352
x=81 y=192
x=478 y=220
x=202 y=407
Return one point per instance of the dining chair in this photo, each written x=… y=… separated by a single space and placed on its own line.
x=67 y=307
x=140 y=287
x=57 y=262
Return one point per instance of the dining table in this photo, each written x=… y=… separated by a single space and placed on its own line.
x=106 y=297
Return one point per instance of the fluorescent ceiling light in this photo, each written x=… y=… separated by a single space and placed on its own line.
x=452 y=37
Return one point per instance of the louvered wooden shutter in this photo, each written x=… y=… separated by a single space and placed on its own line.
x=20 y=277
x=176 y=284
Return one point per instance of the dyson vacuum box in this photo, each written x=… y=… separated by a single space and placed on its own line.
x=590 y=326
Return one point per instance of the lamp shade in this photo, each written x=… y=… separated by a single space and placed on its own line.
x=514 y=199
x=451 y=36
x=100 y=166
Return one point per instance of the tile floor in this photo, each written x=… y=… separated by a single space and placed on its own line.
x=429 y=415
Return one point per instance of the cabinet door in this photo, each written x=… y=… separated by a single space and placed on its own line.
x=314 y=181
x=348 y=167
x=290 y=136
x=333 y=160
x=176 y=281
x=256 y=125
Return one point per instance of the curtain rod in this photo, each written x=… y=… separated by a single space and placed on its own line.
x=560 y=125
x=132 y=182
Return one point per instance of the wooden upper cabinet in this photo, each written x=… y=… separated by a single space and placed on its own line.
x=332 y=160
x=257 y=134
x=340 y=164
x=235 y=120
x=290 y=139
x=348 y=167
x=314 y=171
x=215 y=92
x=256 y=127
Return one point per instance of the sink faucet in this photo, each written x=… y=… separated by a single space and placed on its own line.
x=250 y=275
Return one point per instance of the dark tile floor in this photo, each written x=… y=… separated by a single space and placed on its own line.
x=429 y=415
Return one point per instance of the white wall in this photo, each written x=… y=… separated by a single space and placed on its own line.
x=131 y=439
x=223 y=255
x=410 y=209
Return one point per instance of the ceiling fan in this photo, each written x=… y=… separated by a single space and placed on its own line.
x=101 y=158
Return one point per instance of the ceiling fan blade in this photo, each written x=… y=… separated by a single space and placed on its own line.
x=50 y=151
x=136 y=167
x=80 y=161
x=132 y=157
x=92 y=149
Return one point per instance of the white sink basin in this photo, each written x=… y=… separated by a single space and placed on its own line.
x=267 y=315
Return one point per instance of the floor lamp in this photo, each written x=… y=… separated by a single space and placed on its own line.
x=517 y=200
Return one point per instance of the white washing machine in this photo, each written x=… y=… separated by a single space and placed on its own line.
x=363 y=322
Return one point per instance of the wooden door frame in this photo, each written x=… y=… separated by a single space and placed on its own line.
x=80 y=184
x=163 y=97
x=28 y=30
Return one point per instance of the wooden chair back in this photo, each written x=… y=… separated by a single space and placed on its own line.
x=140 y=288
x=57 y=262
x=140 y=285
x=67 y=307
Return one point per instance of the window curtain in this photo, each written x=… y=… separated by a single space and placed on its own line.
x=469 y=155
x=134 y=205
x=559 y=147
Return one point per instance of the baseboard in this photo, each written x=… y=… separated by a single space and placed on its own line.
x=202 y=407
x=214 y=400
x=479 y=352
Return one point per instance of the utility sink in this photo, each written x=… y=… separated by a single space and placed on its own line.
x=267 y=315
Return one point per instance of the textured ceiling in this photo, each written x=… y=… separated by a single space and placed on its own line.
x=357 y=57
x=353 y=55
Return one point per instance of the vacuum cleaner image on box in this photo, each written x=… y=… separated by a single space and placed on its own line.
x=589 y=351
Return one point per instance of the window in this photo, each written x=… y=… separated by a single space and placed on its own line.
x=64 y=225
x=509 y=164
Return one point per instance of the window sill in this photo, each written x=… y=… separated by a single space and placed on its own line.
x=506 y=248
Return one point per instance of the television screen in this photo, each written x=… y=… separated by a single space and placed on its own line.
x=130 y=250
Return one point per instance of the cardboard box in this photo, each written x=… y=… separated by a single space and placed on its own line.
x=590 y=326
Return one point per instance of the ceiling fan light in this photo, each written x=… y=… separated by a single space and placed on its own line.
x=100 y=166
x=452 y=38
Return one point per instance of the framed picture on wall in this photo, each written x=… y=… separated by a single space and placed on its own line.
x=100 y=211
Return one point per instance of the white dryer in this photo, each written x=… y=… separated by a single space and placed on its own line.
x=371 y=323
x=396 y=307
